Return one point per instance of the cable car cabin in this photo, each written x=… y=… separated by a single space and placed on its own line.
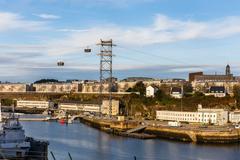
x=60 y=63
x=87 y=50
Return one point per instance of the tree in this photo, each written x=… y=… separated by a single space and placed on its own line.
x=198 y=94
x=46 y=81
x=236 y=92
x=160 y=94
x=187 y=88
x=7 y=102
x=139 y=87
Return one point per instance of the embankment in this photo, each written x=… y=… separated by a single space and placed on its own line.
x=179 y=134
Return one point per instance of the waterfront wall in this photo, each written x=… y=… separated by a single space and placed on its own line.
x=197 y=136
x=179 y=134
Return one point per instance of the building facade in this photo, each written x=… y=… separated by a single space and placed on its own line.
x=56 y=87
x=176 y=92
x=202 y=82
x=216 y=91
x=208 y=116
x=33 y=104
x=94 y=108
x=192 y=76
x=13 y=87
x=70 y=106
x=115 y=107
x=150 y=91
x=234 y=117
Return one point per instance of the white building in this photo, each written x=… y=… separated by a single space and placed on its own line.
x=218 y=117
x=150 y=91
x=33 y=104
x=234 y=117
x=217 y=91
x=79 y=107
x=70 y=106
x=92 y=107
x=222 y=115
x=176 y=92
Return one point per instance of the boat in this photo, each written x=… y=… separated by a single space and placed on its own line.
x=14 y=144
x=13 y=140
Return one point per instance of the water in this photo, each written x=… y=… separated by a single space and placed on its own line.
x=86 y=143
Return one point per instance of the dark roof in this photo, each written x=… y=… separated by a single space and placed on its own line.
x=217 y=89
x=176 y=89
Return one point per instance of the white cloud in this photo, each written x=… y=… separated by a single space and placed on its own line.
x=47 y=16
x=13 y=21
x=163 y=30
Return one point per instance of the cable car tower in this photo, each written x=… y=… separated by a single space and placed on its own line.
x=106 y=70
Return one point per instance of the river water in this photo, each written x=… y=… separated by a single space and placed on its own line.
x=86 y=143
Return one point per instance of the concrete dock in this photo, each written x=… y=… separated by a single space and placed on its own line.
x=198 y=135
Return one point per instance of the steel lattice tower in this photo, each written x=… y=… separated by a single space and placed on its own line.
x=106 y=70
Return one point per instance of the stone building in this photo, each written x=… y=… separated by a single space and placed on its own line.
x=56 y=87
x=202 y=82
x=14 y=87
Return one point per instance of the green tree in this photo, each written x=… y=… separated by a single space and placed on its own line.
x=46 y=81
x=198 y=94
x=160 y=94
x=236 y=92
x=139 y=87
x=7 y=102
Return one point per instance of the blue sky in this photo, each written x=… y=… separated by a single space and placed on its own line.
x=156 y=38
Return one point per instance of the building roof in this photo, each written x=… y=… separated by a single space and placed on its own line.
x=214 y=77
x=176 y=89
x=217 y=89
x=152 y=86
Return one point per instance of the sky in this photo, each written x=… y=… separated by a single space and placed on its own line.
x=154 y=38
